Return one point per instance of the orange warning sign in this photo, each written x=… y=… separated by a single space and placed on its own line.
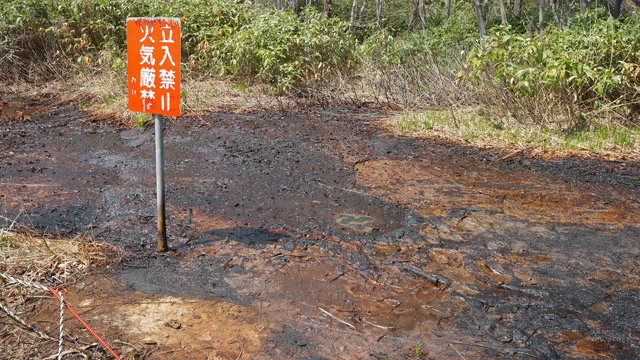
x=153 y=57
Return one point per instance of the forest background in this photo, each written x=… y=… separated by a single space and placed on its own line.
x=547 y=74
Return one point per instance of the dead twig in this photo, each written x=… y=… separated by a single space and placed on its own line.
x=337 y=277
x=337 y=318
x=72 y=351
x=383 y=335
x=511 y=154
x=430 y=278
x=25 y=325
x=454 y=348
x=379 y=326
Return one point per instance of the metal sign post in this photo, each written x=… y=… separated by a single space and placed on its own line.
x=162 y=227
x=153 y=64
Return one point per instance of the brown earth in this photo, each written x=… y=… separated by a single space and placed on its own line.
x=317 y=234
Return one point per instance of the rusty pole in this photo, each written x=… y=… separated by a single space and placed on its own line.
x=162 y=228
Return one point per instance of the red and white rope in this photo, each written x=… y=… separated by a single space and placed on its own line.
x=58 y=294
x=61 y=327
x=24 y=283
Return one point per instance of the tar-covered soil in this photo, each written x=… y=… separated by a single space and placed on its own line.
x=316 y=234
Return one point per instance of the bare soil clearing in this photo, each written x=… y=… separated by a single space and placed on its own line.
x=319 y=235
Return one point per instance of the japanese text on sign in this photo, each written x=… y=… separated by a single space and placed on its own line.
x=153 y=56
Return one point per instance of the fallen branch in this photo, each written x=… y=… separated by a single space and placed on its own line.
x=454 y=348
x=71 y=351
x=379 y=326
x=511 y=154
x=434 y=280
x=25 y=325
x=337 y=318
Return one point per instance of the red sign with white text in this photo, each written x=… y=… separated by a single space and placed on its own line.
x=153 y=63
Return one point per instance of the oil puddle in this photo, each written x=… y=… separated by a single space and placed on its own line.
x=319 y=238
x=339 y=305
x=436 y=189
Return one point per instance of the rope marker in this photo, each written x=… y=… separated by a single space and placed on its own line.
x=74 y=313
x=58 y=294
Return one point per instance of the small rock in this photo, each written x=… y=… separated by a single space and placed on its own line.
x=174 y=324
x=600 y=308
x=519 y=247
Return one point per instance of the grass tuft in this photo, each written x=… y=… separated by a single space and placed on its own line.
x=477 y=126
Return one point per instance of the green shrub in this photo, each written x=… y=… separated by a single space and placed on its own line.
x=384 y=48
x=447 y=38
x=587 y=69
x=285 y=49
x=220 y=37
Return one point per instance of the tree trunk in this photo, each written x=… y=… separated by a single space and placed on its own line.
x=364 y=5
x=622 y=8
x=542 y=9
x=422 y=11
x=503 y=14
x=418 y=11
x=379 y=14
x=448 y=8
x=413 y=17
x=354 y=16
x=295 y=6
x=517 y=8
x=326 y=8
x=481 y=16
x=556 y=11
x=584 y=5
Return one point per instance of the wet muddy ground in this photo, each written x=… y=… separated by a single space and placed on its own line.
x=319 y=235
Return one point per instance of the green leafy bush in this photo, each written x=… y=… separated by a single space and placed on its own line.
x=581 y=70
x=219 y=37
x=285 y=49
x=382 y=48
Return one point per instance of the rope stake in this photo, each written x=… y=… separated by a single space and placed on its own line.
x=58 y=294
x=74 y=313
x=58 y=290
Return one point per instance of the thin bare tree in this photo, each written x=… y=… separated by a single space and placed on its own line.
x=503 y=13
x=356 y=15
x=379 y=9
x=418 y=11
x=542 y=10
x=584 y=5
x=624 y=8
x=517 y=8
x=326 y=8
x=295 y=6
x=481 y=15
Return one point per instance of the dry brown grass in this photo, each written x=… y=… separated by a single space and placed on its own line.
x=102 y=95
x=44 y=260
